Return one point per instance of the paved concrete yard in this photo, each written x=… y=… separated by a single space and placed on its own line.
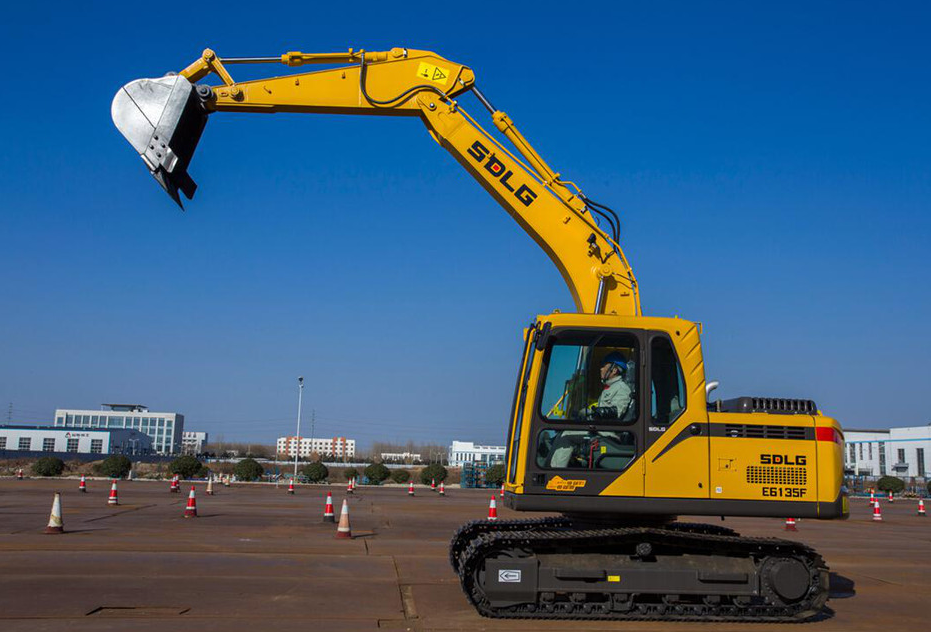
x=257 y=557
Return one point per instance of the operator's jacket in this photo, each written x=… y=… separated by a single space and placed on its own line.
x=616 y=394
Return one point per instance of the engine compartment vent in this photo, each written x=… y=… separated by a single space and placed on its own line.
x=771 y=405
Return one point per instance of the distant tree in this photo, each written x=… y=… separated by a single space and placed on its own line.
x=248 y=470
x=316 y=472
x=433 y=472
x=495 y=475
x=48 y=466
x=186 y=466
x=376 y=473
x=116 y=466
x=400 y=476
x=890 y=484
x=350 y=473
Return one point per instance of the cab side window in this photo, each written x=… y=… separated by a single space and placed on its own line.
x=668 y=384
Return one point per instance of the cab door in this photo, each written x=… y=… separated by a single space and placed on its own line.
x=676 y=418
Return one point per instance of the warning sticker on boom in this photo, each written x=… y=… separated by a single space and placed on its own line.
x=433 y=73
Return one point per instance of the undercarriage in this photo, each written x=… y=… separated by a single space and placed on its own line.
x=560 y=568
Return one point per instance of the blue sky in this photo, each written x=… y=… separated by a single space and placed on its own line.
x=771 y=168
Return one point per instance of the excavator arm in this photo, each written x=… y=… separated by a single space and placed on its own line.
x=163 y=119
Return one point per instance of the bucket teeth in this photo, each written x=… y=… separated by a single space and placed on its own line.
x=163 y=120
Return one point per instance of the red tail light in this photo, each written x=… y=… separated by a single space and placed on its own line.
x=828 y=433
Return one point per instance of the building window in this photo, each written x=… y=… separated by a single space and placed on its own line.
x=2 y=443
x=25 y=443
x=60 y=421
x=901 y=455
x=920 y=453
x=881 y=447
x=72 y=445
x=96 y=446
x=869 y=449
x=69 y=419
x=48 y=444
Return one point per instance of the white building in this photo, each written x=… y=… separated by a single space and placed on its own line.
x=164 y=428
x=901 y=452
x=193 y=442
x=74 y=440
x=461 y=452
x=340 y=447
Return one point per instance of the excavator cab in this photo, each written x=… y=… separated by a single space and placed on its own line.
x=163 y=120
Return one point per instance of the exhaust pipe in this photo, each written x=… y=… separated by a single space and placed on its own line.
x=163 y=120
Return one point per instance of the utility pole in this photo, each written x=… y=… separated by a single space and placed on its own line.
x=9 y=413
x=300 y=404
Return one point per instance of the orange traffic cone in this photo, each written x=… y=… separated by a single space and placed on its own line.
x=410 y=489
x=442 y=489
x=328 y=510
x=113 y=499
x=175 y=486
x=501 y=493
x=82 y=486
x=349 y=486
x=492 y=509
x=872 y=497
x=210 y=486
x=191 y=510
x=877 y=514
x=790 y=524
x=432 y=484
x=291 y=486
x=354 y=483
x=921 y=506
x=891 y=499
x=344 y=530
x=19 y=474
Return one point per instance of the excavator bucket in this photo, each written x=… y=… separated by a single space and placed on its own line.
x=163 y=120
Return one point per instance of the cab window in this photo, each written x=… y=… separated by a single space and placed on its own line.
x=591 y=378
x=667 y=399
x=585 y=449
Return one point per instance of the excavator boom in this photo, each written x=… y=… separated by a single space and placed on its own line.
x=163 y=120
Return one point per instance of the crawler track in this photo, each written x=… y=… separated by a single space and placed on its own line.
x=594 y=573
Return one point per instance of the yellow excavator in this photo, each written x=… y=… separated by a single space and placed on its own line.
x=612 y=432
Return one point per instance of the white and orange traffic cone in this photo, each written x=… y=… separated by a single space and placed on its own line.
x=790 y=524
x=492 y=509
x=113 y=499
x=872 y=497
x=344 y=530
x=891 y=499
x=19 y=474
x=175 y=486
x=328 y=515
x=432 y=484
x=442 y=489
x=410 y=489
x=210 y=486
x=291 y=486
x=354 y=482
x=82 y=486
x=55 y=522
x=226 y=481
x=877 y=514
x=921 y=507
x=191 y=510
x=501 y=493
x=349 y=486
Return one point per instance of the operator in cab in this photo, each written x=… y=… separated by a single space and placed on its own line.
x=615 y=398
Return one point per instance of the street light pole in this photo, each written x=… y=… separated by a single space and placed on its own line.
x=300 y=404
